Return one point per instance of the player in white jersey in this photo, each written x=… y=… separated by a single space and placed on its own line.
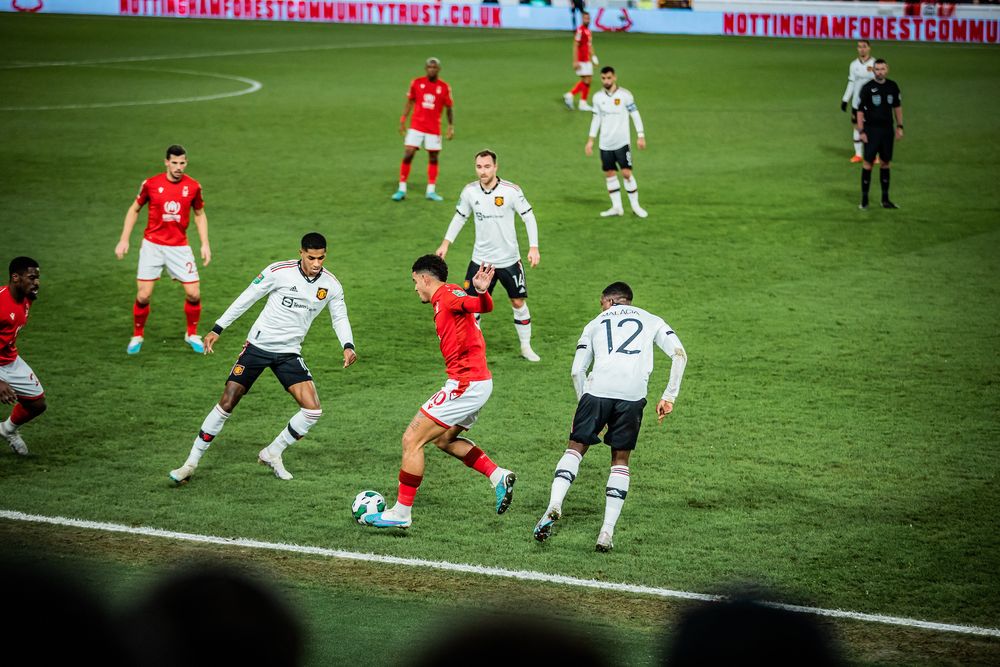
x=297 y=291
x=493 y=202
x=613 y=106
x=860 y=72
x=619 y=342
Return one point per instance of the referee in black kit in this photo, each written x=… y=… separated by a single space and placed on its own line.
x=878 y=101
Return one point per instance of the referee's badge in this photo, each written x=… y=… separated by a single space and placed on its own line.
x=889 y=99
x=321 y=293
x=877 y=100
x=498 y=201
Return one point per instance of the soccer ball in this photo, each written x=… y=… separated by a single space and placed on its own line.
x=365 y=503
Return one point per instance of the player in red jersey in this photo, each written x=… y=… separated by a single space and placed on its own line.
x=18 y=384
x=427 y=96
x=584 y=60
x=454 y=408
x=171 y=196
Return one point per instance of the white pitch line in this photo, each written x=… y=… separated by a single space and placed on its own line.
x=252 y=87
x=522 y=575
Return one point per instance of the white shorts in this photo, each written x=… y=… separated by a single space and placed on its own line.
x=585 y=69
x=458 y=403
x=178 y=260
x=416 y=139
x=21 y=378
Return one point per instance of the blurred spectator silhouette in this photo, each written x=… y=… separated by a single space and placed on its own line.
x=504 y=640
x=213 y=615
x=55 y=620
x=745 y=631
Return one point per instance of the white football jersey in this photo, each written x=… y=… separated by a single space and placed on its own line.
x=293 y=302
x=611 y=114
x=859 y=73
x=619 y=342
x=493 y=211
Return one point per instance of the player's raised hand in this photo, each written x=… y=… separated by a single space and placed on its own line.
x=589 y=148
x=209 y=341
x=349 y=357
x=121 y=249
x=663 y=408
x=442 y=250
x=642 y=143
x=206 y=254
x=7 y=393
x=484 y=276
x=533 y=257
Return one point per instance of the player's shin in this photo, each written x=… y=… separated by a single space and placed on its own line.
x=408 y=485
x=300 y=424
x=566 y=471
x=522 y=324
x=615 y=494
x=883 y=177
x=192 y=312
x=632 y=189
x=432 y=176
x=858 y=145
x=210 y=428
x=615 y=192
x=480 y=462
x=140 y=313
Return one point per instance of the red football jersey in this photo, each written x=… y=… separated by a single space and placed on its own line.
x=13 y=315
x=462 y=342
x=170 y=207
x=429 y=98
x=582 y=39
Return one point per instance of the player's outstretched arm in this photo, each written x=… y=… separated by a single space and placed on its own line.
x=209 y=342
x=201 y=222
x=131 y=216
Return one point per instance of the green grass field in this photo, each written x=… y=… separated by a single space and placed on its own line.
x=836 y=434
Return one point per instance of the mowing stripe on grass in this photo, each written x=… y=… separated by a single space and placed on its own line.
x=252 y=87
x=523 y=575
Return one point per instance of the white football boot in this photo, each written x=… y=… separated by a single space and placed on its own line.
x=274 y=463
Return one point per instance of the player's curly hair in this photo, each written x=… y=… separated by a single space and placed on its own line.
x=431 y=265
x=19 y=265
x=616 y=291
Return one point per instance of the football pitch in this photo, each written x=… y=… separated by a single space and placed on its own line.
x=836 y=435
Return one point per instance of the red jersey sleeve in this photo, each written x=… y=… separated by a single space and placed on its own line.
x=411 y=94
x=480 y=303
x=447 y=97
x=197 y=202
x=143 y=195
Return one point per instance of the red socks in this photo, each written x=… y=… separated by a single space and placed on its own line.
x=478 y=461
x=404 y=171
x=432 y=173
x=407 y=488
x=192 y=311
x=19 y=415
x=578 y=88
x=584 y=90
x=139 y=314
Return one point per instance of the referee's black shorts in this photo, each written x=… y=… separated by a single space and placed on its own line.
x=880 y=141
x=623 y=419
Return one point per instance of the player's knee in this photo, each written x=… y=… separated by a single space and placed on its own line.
x=36 y=407
x=517 y=303
x=194 y=299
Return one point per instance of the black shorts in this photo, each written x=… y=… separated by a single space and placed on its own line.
x=880 y=141
x=511 y=277
x=617 y=159
x=623 y=419
x=288 y=367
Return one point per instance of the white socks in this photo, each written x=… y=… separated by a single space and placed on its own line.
x=616 y=491
x=431 y=187
x=402 y=186
x=857 y=143
x=497 y=475
x=614 y=191
x=522 y=324
x=210 y=428
x=566 y=471
x=298 y=426
x=632 y=189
